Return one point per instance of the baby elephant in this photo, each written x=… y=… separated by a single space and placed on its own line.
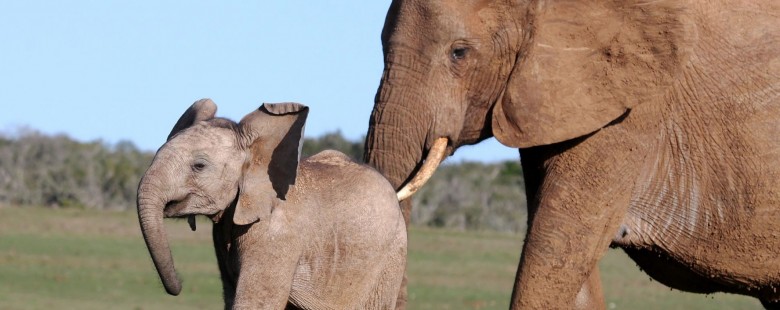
x=320 y=233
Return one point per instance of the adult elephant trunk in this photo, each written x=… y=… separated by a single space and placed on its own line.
x=150 y=215
x=397 y=132
x=396 y=154
x=395 y=144
x=401 y=127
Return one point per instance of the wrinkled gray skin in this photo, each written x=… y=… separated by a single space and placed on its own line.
x=325 y=233
x=653 y=126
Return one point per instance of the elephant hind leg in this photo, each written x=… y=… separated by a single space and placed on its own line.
x=591 y=296
x=389 y=292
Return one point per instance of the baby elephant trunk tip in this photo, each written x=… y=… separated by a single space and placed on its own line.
x=151 y=219
x=173 y=289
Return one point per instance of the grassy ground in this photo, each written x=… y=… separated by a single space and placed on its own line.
x=467 y=270
x=75 y=259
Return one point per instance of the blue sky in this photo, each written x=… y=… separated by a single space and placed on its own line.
x=126 y=70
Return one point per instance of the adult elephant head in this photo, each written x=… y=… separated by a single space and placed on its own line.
x=527 y=72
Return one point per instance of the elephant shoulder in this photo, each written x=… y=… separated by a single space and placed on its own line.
x=331 y=158
x=332 y=163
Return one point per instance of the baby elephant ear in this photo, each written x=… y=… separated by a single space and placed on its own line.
x=201 y=110
x=273 y=136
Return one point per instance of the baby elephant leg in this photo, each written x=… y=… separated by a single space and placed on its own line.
x=265 y=279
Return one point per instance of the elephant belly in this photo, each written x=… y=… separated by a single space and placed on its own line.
x=671 y=273
x=741 y=258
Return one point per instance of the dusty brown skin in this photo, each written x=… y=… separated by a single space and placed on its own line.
x=653 y=126
x=325 y=233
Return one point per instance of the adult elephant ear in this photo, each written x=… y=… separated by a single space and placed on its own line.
x=273 y=137
x=586 y=63
x=201 y=110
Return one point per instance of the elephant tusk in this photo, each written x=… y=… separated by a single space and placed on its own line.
x=435 y=156
x=191 y=221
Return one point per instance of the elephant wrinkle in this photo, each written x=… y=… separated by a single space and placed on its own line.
x=567 y=49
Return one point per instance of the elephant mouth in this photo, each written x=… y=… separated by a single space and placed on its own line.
x=436 y=154
x=176 y=209
x=187 y=208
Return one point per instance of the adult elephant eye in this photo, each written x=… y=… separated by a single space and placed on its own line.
x=459 y=53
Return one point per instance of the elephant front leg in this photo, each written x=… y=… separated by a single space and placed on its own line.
x=266 y=268
x=560 y=256
x=264 y=281
x=579 y=198
x=226 y=260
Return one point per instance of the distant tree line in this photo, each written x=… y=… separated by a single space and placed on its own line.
x=473 y=196
x=57 y=171
x=333 y=141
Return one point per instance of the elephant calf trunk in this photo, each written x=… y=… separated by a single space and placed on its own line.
x=151 y=218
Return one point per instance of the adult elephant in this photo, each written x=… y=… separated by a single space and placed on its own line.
x=649 y=125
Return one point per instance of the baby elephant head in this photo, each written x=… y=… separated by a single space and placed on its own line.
x=209 y=163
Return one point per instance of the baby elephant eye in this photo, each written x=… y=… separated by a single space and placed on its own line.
x=198 y=167
x=459 y=53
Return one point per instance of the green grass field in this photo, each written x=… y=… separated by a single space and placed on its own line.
x=81 y=259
